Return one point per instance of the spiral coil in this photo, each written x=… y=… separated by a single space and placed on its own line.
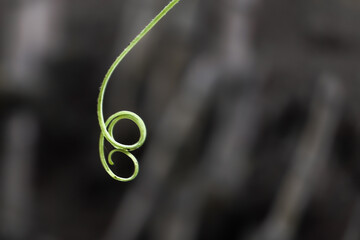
x=118 y=147
x=107 y=127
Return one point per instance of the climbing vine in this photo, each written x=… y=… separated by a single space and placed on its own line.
x=107 y=126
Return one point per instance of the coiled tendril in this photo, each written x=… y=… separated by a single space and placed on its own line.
x=108 y=126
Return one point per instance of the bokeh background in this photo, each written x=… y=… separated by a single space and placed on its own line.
x=252 y=111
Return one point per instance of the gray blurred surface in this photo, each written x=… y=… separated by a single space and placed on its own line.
x=252 y=111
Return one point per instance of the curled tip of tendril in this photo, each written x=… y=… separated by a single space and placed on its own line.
x=118 y=147
x=108 y=126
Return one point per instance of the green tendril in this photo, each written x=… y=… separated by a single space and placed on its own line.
x=108 y=126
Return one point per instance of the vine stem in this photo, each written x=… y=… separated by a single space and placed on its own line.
x=108 y=126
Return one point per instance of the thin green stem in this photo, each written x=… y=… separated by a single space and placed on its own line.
x=108 y=126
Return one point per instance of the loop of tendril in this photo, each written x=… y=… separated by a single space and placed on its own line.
x=108 y=134
x=108 y=126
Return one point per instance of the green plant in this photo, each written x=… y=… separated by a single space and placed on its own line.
x=108 y=126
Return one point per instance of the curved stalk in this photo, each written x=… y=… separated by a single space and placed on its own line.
x=108 y=126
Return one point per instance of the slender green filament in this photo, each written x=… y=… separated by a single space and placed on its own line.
x=108 y=126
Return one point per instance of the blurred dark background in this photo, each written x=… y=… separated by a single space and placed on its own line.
x=251 y=106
